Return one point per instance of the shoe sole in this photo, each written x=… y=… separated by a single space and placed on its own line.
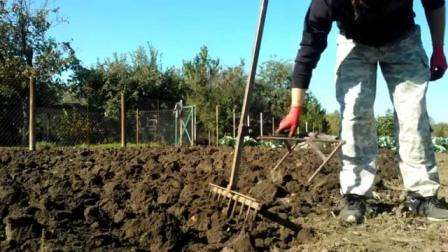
x=436 y=220
x=350 y=219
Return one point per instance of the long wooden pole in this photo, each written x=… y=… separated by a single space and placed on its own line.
x=123 y=120
x=195 y=124
x=234 y=123
x=31 y=126
x=247 y=95
x=137 y=127
x=209 y=138
x=217 y=125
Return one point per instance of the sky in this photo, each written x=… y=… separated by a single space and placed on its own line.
x=178 y=28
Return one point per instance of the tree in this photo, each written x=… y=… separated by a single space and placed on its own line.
x=385 y=124
x=272 y=91
x=200 y=75
x=334 y=121
x=314 y=115
x=440 y=130
x=26 y=50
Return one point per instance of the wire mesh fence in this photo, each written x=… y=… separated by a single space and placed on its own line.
x=151 y=127
x=74 y=126
x=14 y=125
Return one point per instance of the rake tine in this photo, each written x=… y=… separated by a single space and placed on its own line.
x=221 y=199
x=210 y=194
x=241 y=212
x=252 y=220
x=228 y=205
x=247 y=214
x=233 y=208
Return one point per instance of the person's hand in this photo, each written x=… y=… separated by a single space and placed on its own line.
x=438 y=63
x=291 y=121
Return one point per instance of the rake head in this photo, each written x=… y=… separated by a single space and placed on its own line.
x=248 y=207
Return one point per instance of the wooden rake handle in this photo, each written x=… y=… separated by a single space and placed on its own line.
x=247 y=95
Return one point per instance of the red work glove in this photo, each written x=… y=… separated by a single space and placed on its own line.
x=438 y=63
x=291 y=121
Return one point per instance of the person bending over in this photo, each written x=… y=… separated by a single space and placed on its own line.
x=377 y=33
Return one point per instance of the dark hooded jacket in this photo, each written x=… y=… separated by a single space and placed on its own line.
x=373 y=22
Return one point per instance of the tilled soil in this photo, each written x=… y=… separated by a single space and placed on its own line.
x=158 y=200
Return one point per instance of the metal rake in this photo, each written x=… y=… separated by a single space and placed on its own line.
x=249 y=205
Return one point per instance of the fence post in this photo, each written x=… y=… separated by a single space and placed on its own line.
x=306 y=127
x=217 y=125
x=261 y=124
x=123 y=120
x=248 y=121
x=209 y=138
x=181 y=130
x=31 y=126
x=195 y=125
x=192 y=126
x=234 y=123
x=176 y=128
x=137 y=126
x=273 y=126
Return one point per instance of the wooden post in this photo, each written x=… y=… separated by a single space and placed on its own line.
x=176 y=128
x=248 y=120
x=306 y=127
x=273 y=126
x=234 y=123
x=209 y=138
x=181 y=130
x=137 y=127
x=123 y=120
x=31 y=126
x=217 y=125
x=261 y=124
x=192 y=126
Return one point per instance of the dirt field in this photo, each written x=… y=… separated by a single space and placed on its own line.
x=158 y=200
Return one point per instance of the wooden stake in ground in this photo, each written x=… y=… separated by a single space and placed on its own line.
x=261 y=124
x=192 y=141
x=195 y=124
x=234 y=123
x=273 y=126
x=31 y=126
x=137 y=127
x=123 y=120
x=217 y=125
x=209 y=138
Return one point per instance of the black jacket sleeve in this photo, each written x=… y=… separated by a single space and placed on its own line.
x=318 y=23
x=433 y=4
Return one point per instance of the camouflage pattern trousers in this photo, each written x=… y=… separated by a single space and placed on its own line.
x=404 y=65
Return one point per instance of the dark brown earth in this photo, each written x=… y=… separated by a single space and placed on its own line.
x=157 y=199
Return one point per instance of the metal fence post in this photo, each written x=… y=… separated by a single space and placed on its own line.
x=123 y=120
x=273 y=126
